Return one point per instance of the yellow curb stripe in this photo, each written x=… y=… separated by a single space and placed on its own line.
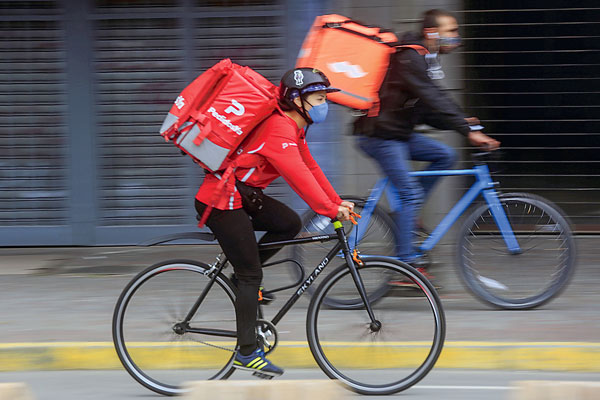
x=555 y=356
x=301 y=343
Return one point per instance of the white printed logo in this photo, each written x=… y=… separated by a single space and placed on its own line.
x=299 y=77
x=350 y=70
x=236 y=108
x=180 y=102
x=286 y=145
x=223 y=119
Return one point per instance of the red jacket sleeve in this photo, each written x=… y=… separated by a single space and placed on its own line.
x=317 y=172
x=282 y=152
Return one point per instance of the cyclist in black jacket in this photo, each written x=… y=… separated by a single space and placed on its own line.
x=410 y=96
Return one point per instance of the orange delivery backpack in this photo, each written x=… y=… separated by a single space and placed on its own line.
x=213 y=115
x=354 y=56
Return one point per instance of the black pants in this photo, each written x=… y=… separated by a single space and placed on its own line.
x=234 y=229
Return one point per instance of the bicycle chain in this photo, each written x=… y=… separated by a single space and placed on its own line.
x=213 y=345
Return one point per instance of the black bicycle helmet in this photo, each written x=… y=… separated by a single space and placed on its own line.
x=300 y=81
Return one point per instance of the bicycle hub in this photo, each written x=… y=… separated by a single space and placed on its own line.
x=375 y=326
x=180 y=328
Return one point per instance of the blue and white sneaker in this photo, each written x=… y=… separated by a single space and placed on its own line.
x=258 y=364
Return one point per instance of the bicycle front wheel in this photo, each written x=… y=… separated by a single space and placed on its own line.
x=529 y=278
x=378 y=238
x=148 y=335
x=386 y=357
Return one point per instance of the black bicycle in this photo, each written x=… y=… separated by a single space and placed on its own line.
x=175 y=321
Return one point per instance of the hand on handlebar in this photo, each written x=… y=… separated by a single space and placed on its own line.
x=343 y=213
x=348 y=204
x=483 y=141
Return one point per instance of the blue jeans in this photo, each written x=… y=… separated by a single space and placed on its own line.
x=393 y=157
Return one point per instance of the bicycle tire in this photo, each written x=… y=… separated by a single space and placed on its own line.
x=414 y=321
x=162 y=366
x=511 y=281
x=379 y=240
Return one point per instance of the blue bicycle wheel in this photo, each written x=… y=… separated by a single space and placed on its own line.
x=522 y=279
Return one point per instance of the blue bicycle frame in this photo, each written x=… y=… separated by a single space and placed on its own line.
x=483 y=185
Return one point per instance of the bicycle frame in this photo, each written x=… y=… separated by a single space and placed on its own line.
x=483 y=185
x=342 y=245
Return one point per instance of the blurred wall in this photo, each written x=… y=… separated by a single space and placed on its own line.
x=533 y=75
x=86 y=84
x=89 y=83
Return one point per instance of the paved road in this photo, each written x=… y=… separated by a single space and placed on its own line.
x=440 y=384
x=51 y=295
x=68 y=294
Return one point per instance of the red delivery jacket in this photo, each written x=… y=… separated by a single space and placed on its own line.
x=277 y=148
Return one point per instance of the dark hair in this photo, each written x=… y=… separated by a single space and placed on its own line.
x=430 y=18
x=284 y=105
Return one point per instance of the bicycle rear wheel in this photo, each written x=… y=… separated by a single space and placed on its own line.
x=150 y=346
x=525 y=280
x=377 y=361
x=378 y=239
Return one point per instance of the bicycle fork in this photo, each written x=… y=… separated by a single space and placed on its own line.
x=502 y=221
x=375 y=325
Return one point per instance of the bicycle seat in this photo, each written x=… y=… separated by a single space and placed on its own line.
x=203 y=236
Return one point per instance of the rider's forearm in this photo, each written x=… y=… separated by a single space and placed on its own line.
x=318 y=173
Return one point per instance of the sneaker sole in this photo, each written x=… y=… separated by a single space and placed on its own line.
x=258 y=372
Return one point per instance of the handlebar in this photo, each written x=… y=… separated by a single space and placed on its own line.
x=352 y=216
x=482 y=157
x=354 y=256
x=490 y=158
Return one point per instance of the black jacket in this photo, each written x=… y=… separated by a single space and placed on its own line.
x=409 y=97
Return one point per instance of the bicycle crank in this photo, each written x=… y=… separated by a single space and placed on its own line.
x=267 y=335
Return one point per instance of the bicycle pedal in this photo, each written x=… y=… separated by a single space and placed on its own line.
x=262 y=376
x=266 y=297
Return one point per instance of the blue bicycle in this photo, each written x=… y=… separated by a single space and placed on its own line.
x=514 y=250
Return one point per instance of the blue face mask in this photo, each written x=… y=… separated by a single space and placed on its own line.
x=318 y=113
x=450 y=41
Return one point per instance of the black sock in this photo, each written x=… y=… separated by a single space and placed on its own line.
x=247 y=350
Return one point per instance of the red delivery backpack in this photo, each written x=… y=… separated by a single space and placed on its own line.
x=213 y=115
x=217 y=111
x=355 y=57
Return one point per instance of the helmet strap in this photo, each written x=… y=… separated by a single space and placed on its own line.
x=303 y=112
x=300 y=110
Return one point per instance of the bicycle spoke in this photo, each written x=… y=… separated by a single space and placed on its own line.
x=531 y=277
x=153 y=348
x=381 y=359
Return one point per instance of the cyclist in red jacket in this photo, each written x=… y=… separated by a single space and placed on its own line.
x=277 y=148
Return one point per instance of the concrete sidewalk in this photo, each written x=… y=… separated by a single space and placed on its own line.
x=58 y=304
